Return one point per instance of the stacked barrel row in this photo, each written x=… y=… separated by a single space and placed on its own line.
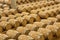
x=26 y=17
x=29 y=8
x=24 y=1
x=38 y=20
x=6 y=5
x=33 y=32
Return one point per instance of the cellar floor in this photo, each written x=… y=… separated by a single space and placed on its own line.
x=57 y=39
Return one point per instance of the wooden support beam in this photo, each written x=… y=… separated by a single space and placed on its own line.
x=13 y=4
